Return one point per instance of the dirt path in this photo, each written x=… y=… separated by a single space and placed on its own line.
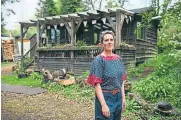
x=47 y=106
x=7 y=68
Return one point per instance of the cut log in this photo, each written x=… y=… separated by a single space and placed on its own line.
x=69 y=81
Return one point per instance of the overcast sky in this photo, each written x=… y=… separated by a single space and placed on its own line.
x=25 y=10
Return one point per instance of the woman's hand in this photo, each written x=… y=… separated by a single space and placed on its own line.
x=105 y=111
x=123 y=104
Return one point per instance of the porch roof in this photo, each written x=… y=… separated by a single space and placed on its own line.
x=88 y=15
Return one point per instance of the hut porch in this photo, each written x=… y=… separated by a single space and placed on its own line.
x=72 y=41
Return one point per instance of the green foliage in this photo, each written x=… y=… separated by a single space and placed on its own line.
x=71 y=6
x=111 y=4
x=72 y=91
x=26 y=61
x=31 y=32
x=170 y=34
x=115 y=3
x=6 y=64
x=132 y=105
x=83 y=76
x=36 y=76
x=46 y=8
x=75 y=91
x=81 y=44
x=147 y=17
x=164 y=83
x=14 y=80
x=58 y=6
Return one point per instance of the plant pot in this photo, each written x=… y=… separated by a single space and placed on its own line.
x=22 y=75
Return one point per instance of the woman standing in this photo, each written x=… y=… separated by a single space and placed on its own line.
x=107 y=75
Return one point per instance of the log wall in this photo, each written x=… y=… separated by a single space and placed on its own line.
x=78 y=61
x=146 y=48
x=7 y=49
x=81 y=62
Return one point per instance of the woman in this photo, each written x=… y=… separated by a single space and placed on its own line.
x=107 y=75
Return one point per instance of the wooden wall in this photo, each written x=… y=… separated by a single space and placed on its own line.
x=128 y=57
x=76 y=65
x=59 y=59
x=128 y=30
x=32 y=43
x=146 y=48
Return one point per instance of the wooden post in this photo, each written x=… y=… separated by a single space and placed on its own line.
x=38 y=34
x=113 y=26
x=37 y=38
x=73 y=38
x=118 y=25
x=22 y=47
x=121 y=26
x=46 y=35
x=55 y=30
x=71 y=54
x=42 y=29
x=77 y=27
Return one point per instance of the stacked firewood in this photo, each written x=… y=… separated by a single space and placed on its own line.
x=8 y=49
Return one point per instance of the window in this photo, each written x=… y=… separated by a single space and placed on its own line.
x=58 y=35
x=53 y=35
x=140 y=32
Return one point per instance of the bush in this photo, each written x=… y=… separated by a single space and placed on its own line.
x=36 y=76
x=164 y=83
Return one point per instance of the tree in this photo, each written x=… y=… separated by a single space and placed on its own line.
x=46 y=8
x=170 y=34
x=93 y=4
x=58 y=6
x=122 y=2
x=5 y=12
x=71 y=6
x=170 y=30
x=39 y=10
x=111 y=4
x=116 y=3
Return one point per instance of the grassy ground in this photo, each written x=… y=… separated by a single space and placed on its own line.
x=14 y=80
x=60 y=102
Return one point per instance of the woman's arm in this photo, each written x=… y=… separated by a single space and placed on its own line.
x=123 y=97
x=99 y=94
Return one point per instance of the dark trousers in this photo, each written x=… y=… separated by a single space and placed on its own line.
x=114 y=102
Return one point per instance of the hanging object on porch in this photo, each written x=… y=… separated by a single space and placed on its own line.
x=125 y=16
x=85 y=23
x=127 y=20
x=130 y=18
x=103 y=20
x=93 y=21
x=55 y=26
x=61 y=24
x=69 y=24
x=48 y=27
x=76 y=22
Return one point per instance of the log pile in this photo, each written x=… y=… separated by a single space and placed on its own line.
x=8 y=49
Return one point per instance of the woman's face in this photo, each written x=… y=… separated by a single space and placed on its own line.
x=108 y=42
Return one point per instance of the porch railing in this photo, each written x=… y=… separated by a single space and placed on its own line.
x=29 y=57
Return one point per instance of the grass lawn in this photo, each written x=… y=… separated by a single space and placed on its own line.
x=14 y=80
x=7 y=64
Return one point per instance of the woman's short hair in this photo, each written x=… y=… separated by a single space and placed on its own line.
x=103 y=33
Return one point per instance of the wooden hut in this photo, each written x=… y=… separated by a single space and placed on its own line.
x=71 y=41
